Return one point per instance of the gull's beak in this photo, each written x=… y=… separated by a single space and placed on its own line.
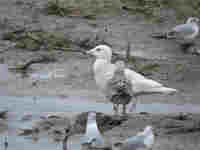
x=90 y=52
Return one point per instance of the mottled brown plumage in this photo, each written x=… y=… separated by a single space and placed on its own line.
x=119 y=88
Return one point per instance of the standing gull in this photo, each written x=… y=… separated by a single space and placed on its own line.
x=104 y=71
x=92 y=138
x=142 y=141
x=184 y=33
x=119 y=88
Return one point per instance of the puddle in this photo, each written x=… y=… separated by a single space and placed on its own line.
x=5 y=74
x=40 y=76
x=39 y=106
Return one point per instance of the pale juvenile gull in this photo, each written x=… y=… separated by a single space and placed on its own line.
x=119 y=88
x=104 y=71
x=184 y=33
x=92 y=138
x=142 y=141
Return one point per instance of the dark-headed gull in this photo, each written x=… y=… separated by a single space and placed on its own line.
x=92 y=138
x=104 y=71
x=142 y=141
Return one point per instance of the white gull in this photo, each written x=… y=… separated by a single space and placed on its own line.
x=104 y=71
x=92 y=138
x=142 y=141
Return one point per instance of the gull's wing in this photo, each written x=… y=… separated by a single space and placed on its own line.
x=140 y=84
x=184 y=31
x=134 y=143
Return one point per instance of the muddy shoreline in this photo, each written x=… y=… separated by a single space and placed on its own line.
x=66 y=86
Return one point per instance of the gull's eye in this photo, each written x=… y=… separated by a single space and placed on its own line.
x=98 y=49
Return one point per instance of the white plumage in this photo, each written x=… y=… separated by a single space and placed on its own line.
x=184 y=34
x=92 y=137
x=187 y=31
x=142 y=141
x=104 y=71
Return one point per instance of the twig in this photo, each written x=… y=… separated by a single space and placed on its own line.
x=128 y=48
x=25 y=67
x=69 y=49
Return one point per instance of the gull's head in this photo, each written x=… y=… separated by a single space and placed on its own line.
x=92 y=116
x=193 y=20
x=120 y=64
x=101 y=52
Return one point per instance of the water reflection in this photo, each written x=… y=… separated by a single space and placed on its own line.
x=25 y=114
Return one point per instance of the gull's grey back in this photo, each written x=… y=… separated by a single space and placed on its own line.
x=185 y=29
x=134 y=143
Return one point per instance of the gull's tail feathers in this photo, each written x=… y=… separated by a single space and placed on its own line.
x=164 y=90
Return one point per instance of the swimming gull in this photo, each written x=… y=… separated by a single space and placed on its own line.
x=104 y=71
x=92 y=138
x=142 y=141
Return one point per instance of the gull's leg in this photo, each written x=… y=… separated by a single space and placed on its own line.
x=115 y=108
x=133 y=105
x=124 y=109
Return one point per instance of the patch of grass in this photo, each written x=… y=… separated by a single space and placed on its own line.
x=83 y=8
x=132 y=59
x=146 y=7
x=35 y=40
x=180 y=68
x=153 y=8
x=184 y=8
x=147 y=68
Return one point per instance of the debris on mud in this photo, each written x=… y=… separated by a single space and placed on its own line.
x=3 y=114
x=53 y=126
x=26 y=66
x=58 y=124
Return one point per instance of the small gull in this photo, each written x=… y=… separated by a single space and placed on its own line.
x=92 y=138
x=142 y=141
x=184 y=33
x=104 y=71
x=119 y=88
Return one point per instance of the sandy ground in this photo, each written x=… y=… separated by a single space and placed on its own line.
x=76 y=69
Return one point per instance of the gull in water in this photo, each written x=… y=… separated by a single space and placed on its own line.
x=142 y=141
x=92 y=138
x=104 y=71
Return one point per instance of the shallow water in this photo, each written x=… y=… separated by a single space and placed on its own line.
x=39 y=106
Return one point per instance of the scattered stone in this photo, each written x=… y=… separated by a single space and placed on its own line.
x=3 y=114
